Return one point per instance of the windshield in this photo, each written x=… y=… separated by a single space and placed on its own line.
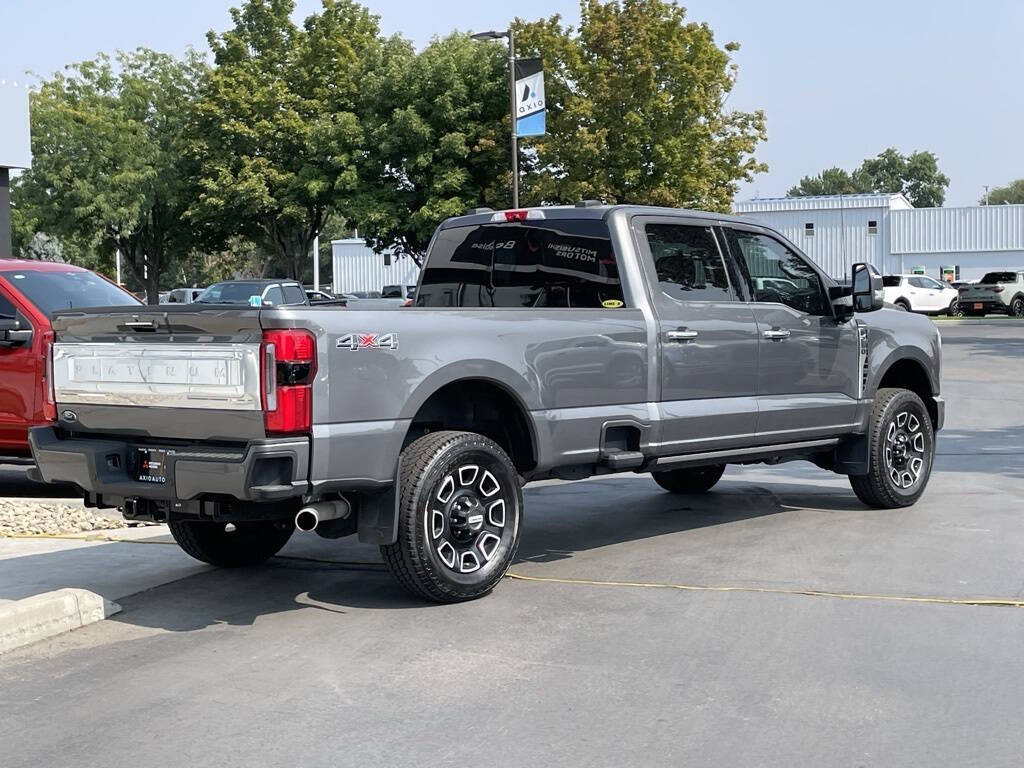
x=999 y=277
x=230 y=293
x=50 y=291
x=891 y=281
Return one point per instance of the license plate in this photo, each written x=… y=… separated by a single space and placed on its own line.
x=151 y=465
x=979 y=306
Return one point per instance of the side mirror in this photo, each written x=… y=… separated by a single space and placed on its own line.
x=868 y=293
x=12 y=334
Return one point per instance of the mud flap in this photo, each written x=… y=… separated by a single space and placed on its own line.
x=378 y=513
x=853 y=456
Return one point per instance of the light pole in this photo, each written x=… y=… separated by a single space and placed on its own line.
x=511 y=35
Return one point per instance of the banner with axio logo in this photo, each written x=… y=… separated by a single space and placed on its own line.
x=530 y=104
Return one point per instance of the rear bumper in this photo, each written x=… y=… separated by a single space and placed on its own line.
x=987 y=306
x=260 y=470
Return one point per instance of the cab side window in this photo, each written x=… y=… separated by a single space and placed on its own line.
x=7 y=309
x=293 y=294
x=777 y=274
x=688 y=263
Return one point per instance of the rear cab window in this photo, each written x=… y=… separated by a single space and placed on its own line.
x=992 y=278
x=535 y=263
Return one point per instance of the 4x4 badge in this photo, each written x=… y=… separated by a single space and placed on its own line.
x=354 y=341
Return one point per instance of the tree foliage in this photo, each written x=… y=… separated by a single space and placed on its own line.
x=107 y=172
x=636 y=101
x=1011 y=194
x=279 y=129
x=440 y=143
x=916 y=176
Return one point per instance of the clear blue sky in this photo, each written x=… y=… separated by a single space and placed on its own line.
x=839 y=81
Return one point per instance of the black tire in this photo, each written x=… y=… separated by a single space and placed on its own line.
x=448 y=517
x=1017 y=306
x=231 y=545
x=899 y=436
x=955 y=309
x=690 y=479
x=902 y=304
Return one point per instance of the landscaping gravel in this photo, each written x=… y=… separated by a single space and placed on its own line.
x=20 y=517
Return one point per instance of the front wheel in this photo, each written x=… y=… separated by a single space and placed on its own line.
x=689 y=479
x=901 y=451
x=459 y=517
x=231 y=545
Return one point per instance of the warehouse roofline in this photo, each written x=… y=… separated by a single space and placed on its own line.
x=895 y=201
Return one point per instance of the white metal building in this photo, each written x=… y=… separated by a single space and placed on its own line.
x=356 y=267
x=887 y=231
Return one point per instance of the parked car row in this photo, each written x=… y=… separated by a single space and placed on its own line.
x=270 y=293
x=919 y=293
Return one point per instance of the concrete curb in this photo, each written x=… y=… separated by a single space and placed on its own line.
x=51 y=613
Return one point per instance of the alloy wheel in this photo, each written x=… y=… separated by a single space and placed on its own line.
x=905 y=450
x=466 y=518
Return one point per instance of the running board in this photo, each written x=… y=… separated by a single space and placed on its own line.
x=734 y=455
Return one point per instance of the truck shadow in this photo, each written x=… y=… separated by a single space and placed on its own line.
x=601 y=514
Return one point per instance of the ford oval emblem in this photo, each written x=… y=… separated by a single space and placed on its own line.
x=69 y=416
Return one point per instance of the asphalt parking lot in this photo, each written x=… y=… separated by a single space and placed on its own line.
x=319 y=659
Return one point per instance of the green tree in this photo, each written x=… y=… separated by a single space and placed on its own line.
x=832 y=181
x=107 y=170
x=440 y=143
x=916 y=176
x=280 y=124
x=636 y=101
x=1011 y=194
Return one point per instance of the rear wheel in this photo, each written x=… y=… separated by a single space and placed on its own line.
x=903 y=304
x=1017 y=306
x=901 y=451
x=459 y=518
x=955 y=310
x=689 y=479
x=231 y=545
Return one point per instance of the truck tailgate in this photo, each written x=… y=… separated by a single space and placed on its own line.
x=172 y=372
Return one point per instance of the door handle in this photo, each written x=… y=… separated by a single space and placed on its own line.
x=681 y=335
x=776 y=334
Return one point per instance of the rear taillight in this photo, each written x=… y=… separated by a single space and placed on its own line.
x=49 y=399
x=288 y=367
x=998 y=289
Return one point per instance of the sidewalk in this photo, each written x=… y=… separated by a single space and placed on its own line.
x=114 y=569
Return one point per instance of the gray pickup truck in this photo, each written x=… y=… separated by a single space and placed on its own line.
x=558 y=342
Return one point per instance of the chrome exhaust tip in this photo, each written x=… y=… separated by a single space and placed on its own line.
x=309 y=517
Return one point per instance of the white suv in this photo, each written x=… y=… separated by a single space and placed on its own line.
x=917 y=293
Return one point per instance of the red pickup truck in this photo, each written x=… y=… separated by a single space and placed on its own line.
x=29 y=292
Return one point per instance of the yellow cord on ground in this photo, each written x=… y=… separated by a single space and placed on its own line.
x=600 y=583
x=773 y=591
